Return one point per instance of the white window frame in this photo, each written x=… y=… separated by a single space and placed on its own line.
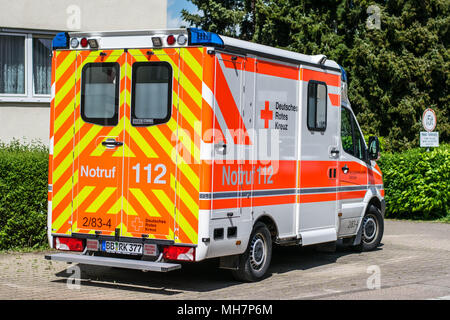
x=29 y=95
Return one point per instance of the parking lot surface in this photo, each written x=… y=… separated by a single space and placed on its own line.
x=412 y=263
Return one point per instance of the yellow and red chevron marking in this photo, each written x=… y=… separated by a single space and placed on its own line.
x=62 y=112
x=92 y=195
x=175 y=150
x=143 y=212
x=66 y=124
x=177 y=203
x=51 y=136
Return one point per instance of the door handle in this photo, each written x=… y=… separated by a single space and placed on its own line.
x=334 y=153
x=112 y=143
x=345 y=169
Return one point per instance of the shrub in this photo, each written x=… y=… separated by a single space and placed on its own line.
x=417 y=183
x=23 y=195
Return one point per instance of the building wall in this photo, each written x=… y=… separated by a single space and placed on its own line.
x=84 y=15
x=27 y=117
x=25 y=122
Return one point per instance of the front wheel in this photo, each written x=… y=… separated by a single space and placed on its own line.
x=372 y=230
x=255 y=261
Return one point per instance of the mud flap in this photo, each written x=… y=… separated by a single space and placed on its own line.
x=357 y=240
x=230 y=262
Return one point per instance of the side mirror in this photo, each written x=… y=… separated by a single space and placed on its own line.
x=374 y=148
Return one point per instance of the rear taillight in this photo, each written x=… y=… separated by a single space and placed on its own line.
x=179 y=253
x=69 y=244
x=170 y=40
x=84 y=42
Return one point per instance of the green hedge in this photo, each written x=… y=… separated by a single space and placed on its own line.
x=417 y=183
x=23 y=195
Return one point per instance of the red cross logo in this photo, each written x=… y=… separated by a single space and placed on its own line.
x=137 y=224
x=266 y=115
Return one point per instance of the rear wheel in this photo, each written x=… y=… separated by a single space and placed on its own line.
x=372 y=230
x=255 y=261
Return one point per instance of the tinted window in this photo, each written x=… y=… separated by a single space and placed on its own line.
x=100 y=93
x=317 y=106
x=151 y=93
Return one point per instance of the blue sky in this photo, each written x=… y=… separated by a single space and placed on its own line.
x=174 y=12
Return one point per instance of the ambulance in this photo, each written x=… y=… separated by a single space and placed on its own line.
x=176 y=146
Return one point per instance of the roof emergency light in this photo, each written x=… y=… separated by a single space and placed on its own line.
x=61 y=41
x=343 y=74
x=201 y=37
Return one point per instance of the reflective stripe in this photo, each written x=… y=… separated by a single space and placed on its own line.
x=283 y=192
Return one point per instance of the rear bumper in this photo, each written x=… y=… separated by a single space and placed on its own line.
x=114 y=262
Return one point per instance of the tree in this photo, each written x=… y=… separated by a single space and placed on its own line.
x=396 y=69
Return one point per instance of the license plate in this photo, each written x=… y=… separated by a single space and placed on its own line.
x=122 y=247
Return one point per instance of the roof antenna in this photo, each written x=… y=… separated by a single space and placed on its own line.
x=323 y=59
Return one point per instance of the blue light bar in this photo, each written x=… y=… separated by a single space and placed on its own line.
x=61 y=41
x=201 y=37
x=344 y=74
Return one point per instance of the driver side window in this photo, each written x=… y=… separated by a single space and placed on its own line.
x=351 y=138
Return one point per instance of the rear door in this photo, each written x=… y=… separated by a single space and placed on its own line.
x=151 y=138
x=98 y=141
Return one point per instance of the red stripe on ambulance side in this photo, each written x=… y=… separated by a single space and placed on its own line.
x=265 y=67
x=308 y=198
x=314 y=174
x=277 y=70
x=335 y=99
x=329 y=79
x=351 y=195
x=229 y=109
x=246 y=202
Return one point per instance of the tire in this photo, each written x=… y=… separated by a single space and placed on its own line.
x=255 y=261
x=372 y=230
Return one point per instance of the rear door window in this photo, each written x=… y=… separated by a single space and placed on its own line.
x=100 y=93
x=151 y=98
